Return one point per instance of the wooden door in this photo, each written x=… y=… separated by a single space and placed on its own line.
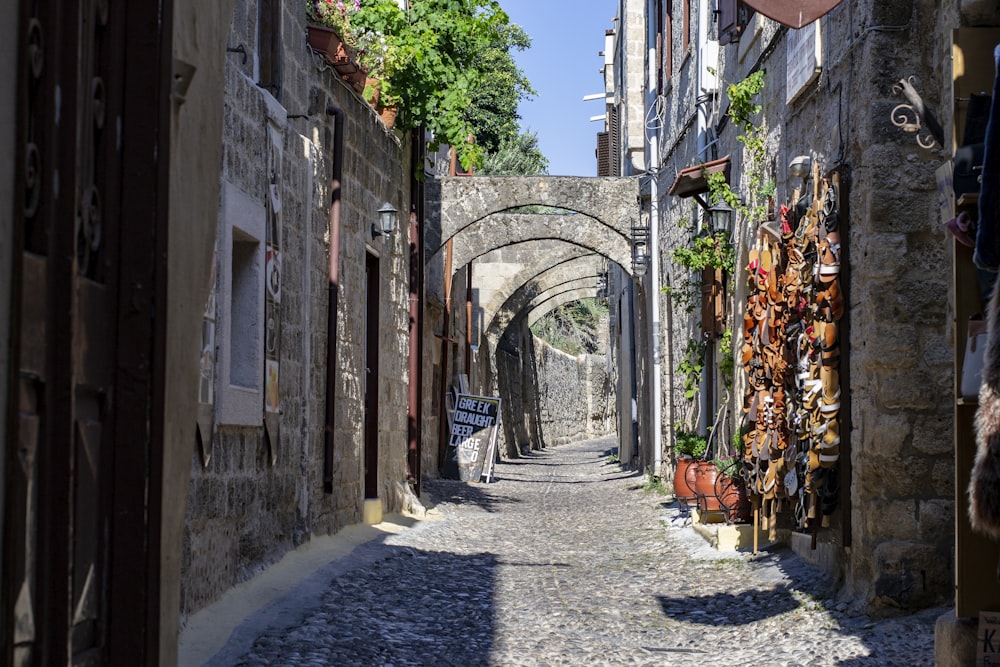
x=81 y=500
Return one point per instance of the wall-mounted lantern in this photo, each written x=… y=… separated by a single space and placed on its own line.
x=640 y=251
x=799 y=168
x=721 y=217
x=386 y=224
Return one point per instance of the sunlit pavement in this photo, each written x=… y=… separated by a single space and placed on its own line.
x=566 y=559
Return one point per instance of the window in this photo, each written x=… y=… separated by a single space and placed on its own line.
x=240 y=302
x=244 y=335
x=733 y=17
x=686 y=39
x=668 y=42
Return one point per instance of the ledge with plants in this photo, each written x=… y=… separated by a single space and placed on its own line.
x=426 y=60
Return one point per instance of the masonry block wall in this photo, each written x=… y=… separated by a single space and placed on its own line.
x=896 y=363
x=572 y=395
x=257 y=498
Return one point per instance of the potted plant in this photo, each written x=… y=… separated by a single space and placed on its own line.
x=730 y=489
x=688 y=448
x=330 y=32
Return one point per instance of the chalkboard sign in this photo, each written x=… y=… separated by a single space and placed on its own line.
x=473 y=437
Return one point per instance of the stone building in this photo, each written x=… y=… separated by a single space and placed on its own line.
x=265 y=479
x=195 y=416
x=829 y=93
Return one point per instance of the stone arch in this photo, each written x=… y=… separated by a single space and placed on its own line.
x=503 y=229
x=551 y=303
x=533 y=259
x=506 y=229
x=587 y=268
x=456 y=203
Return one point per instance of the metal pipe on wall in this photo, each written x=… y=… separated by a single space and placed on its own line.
x=414 y=407
x=468 y=324
x=446 y=342
x=333 y=294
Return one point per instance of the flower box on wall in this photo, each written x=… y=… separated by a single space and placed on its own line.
x=337 y=53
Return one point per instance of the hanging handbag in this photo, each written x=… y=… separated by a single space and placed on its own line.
x=972 y=364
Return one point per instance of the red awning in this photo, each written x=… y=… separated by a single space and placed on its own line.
x=693 y=181
x=793 y=13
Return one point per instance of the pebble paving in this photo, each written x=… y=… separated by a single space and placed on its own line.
x=567 y=559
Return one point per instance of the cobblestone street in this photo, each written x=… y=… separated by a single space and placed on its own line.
x=567 y=560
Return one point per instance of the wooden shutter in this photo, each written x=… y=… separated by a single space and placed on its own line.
x=603 y=155
x=712 y=303
x=728 y=27
x=614 y=143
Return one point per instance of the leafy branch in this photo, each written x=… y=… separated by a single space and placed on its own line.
x=691 y=366
x=429 y=60
x=742 y=111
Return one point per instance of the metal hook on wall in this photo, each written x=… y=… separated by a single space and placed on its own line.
x=922 y=117
x=239 y=49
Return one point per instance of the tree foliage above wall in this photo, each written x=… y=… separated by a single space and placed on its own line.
x=575 y=327
x=446 y=64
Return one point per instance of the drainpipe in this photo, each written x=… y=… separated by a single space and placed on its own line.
x=415 y=411
x=468 y=325
x=446 y=342
x=334 y=293
x=654 y=291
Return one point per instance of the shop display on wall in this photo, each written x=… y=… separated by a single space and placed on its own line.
x=791 y=356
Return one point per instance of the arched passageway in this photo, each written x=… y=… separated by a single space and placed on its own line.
x=509 y=266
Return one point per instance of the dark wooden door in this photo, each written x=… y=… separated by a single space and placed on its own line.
x=81 y=500
x=371 y=375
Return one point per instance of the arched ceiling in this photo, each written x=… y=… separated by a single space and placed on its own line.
x=588 y=268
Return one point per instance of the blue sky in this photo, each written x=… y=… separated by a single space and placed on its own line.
x=563 y=65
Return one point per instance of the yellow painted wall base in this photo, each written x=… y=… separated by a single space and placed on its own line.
x=730 y=537
x=372 y=512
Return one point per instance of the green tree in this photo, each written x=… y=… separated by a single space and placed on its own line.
x=516 y=156
x=432 y=62
x=574 y=327
x=494 y=106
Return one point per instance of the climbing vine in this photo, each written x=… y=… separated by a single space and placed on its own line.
x=727 y=363
x=759 y=186
x=691 y=366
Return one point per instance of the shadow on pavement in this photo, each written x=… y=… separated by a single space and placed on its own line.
x=410 y=607
x=728 y=609
x=465 y=493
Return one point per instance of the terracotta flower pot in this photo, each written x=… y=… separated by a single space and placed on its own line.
x=682 y=489
x=388 y=115
x=328 y=42
x=704 y=486
x=337 y=53
x=733 y=498
x=372 y=89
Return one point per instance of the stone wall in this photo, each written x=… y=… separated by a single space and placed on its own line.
x=574 y=395
x=256 y=498
x=896 y=364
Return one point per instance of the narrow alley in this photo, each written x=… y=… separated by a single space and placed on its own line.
x=566 y=559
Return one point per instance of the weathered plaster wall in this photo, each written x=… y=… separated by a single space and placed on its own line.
x=198 y=39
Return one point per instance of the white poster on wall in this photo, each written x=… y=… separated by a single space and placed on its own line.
x=804 y=56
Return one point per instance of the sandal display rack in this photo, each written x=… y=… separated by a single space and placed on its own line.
x=791 y=354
